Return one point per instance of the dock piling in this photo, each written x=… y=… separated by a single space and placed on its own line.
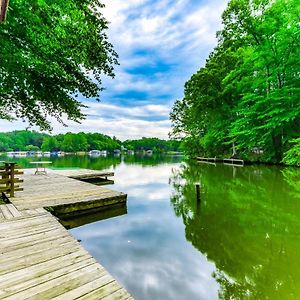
x=198 y=192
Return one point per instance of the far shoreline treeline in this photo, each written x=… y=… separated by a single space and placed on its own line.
x=25 y=140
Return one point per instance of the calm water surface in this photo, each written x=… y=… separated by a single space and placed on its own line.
x=241 y=241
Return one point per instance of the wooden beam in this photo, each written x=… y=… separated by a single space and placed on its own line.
x=3 y=9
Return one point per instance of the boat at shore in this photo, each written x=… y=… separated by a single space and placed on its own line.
x=57 y=153
x=95 y=153
x=17 y=154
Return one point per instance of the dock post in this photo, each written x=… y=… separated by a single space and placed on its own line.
x=12 y=179
x=198 y=202
x=6 y=176
x=198 y=192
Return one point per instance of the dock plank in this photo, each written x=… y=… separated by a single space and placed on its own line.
x=24 y=282
x=64 y=283
x=93 y=290
x=13 y=210
x=96 y=289
x=6 y=212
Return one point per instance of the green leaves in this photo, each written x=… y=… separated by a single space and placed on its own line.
x=292 y=156
x=50 y=51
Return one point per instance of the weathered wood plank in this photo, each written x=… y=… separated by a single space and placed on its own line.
x=19 y=222
x=1 y=215
x=37 y=271
x=38 y=258
x=25 y=282
x=6 y=180
x=14 y=235
x=62 y=284
x=44 y=247
x=35 y=241
x=120 y=294
x=6 y=212
x=94 y=290
x=13 y=210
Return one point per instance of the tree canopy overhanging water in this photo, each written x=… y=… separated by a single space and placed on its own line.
x=245 y=100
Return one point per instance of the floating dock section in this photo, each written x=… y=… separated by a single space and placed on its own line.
x=39 y=258
x=234 y=162
x=208 y=159
x=226 y=161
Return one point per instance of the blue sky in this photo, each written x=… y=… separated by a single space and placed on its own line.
x=160 y=43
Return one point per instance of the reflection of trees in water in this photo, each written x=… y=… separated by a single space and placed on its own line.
x=292 y=177
x=86 y=162
x=97 y=163
x=151 y=160
x=247 y=223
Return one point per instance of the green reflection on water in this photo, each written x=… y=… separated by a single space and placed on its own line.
x=247 y=222
x=96 y=163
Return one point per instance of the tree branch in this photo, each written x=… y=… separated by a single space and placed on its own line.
x=3 y=9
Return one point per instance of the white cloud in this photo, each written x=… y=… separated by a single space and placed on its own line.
x=162 y=26
x=114 y=111
x=126 y=82
x=123 y=122
x=177 y=33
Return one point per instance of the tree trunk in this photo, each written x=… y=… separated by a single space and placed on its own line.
x=277 y=144
x=3 y=9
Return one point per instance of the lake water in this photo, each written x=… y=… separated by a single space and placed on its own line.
x=240 y=241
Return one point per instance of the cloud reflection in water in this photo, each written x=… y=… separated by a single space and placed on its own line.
x=146 y=250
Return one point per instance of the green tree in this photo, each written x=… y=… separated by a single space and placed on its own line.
x=247 y=95
x=31 y=148
x=51 y=53
x=267 y=75
x=74 y=142
x=204 y=115
x=50 y=144
x=292 y=156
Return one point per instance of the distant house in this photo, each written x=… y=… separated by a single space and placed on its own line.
x=57 y=153
x=257 y=150
x=95 y=153
x=104 y=152
x=38 y=153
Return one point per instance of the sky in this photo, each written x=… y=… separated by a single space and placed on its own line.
x=160 y=44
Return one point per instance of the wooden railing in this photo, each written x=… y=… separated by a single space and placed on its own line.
x=233 y=161
x=8 y=179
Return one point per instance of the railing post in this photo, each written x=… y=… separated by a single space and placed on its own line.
x=6 y=175
x=198 y=192
x=12 y=180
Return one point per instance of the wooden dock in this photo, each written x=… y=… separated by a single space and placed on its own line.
x=208 y=159
x=39 y=258
x=63 y=193
x=225 y=161
x=233 y=161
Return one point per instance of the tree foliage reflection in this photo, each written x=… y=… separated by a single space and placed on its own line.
x=247 y=223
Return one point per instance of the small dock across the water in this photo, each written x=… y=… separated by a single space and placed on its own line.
x=225 y=161
x=39 y=258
